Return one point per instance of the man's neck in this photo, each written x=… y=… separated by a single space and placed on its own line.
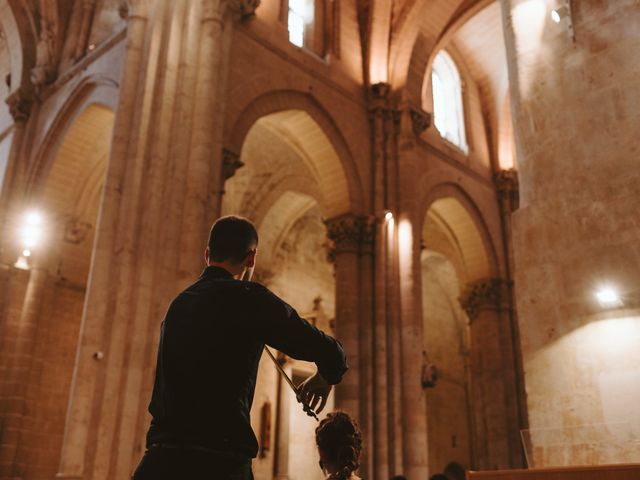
x=235 y=270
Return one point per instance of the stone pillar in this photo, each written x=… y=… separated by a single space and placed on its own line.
x=399 y=422
x=382 y=444
x=156 y=208
x=13 y=189
x=508 y=190
x=575 y=96
x=494 y=396
x=345 y=234
x=367 y=284
x=412 y=122
x=207 y=168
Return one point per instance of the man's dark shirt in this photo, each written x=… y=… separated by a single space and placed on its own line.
x=211 y=341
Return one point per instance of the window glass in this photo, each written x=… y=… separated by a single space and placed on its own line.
x=301 y=13
x=447 y=100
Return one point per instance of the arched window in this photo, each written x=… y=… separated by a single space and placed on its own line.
x=448 y=114
x=306 y=25
x=301 y=13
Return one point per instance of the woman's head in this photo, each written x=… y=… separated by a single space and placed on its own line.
x=339 y=444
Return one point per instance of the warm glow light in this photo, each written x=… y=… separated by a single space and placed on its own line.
x=34 y=218
x=388 y=216
x=26 y=253
x=528 y=21
x=405 y=244
x=31 y=232
x=22 y=263
x=607 y=296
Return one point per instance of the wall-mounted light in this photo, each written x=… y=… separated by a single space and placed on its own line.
x=557 y=14
x=563 y=14
x=388 y=216
x=608 y=297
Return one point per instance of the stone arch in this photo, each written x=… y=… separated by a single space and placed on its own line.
x=309 y=127
x=467 y=224
x=70 y=185
x=19 y=29
x=95 y=90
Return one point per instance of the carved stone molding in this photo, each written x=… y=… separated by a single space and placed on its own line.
x=230 y=163
x=242 y=10
x=76 y=231
x=44 y=72
x=420 y=120
x=20 y=105
x=380 y=90
x=349 y=233
x=508 y=188
x=123 y=10
x=487 y=294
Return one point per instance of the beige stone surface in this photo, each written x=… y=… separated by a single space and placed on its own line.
x=573 y=95
x=132 y=127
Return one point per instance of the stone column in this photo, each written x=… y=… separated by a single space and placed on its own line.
x=508 y=190
x=493 y=392
x=412 y=122
x=207 y=169
x=380 y=428
x=345 y=233
x=156 y=198
x=13 y=189
x=575 y=98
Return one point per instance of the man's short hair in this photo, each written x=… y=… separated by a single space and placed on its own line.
x=231 y=239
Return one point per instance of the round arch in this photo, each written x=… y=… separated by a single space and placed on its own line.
x=95 y=90
x=304 y=123
x=467 y=225
x=18 y=26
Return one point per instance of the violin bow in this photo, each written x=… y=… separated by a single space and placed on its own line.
x=305 y=406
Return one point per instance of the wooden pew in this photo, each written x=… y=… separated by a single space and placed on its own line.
x=596 y=472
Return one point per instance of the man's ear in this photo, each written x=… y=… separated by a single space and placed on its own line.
x=206 y=255
x=251 y=259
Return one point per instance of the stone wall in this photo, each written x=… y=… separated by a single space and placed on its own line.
x=574 y=96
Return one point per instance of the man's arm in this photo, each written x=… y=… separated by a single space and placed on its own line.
x=281 y=327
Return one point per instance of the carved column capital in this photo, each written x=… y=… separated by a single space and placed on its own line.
x=242 y=10
x=344 y=233
x=486 y=294
x=44 y=71
x=349 y=233
x=230 y=163
x=420 y=120
x=20 y=103
x=508 y=188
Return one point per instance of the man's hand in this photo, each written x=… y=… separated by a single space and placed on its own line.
x=313 y=390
